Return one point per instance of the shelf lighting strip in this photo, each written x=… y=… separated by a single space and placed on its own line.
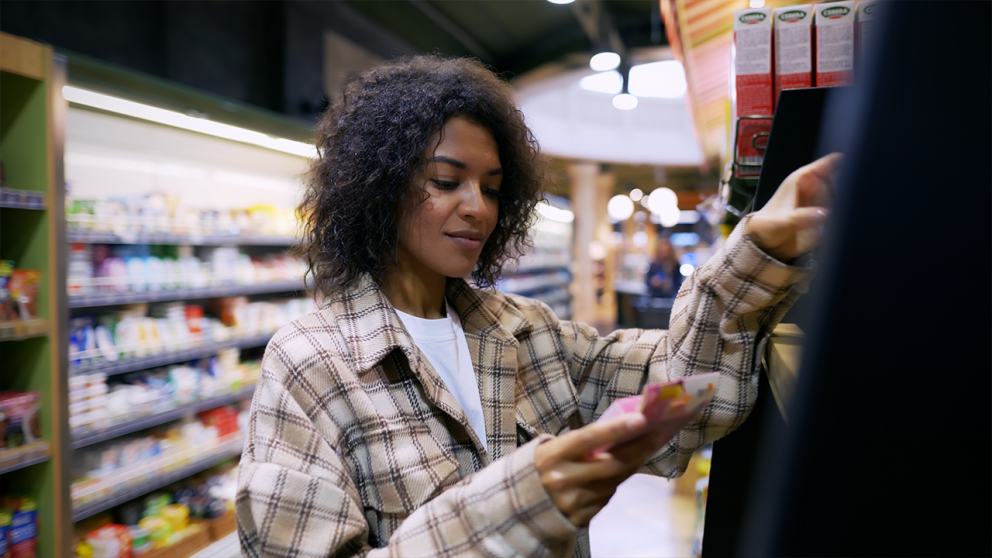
x=179 y=120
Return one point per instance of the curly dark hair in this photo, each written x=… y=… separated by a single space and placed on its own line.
x=371 y=143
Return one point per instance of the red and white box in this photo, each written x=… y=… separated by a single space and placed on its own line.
x=867 y=14
x=834 y=43
x=753 y=83
x=793 y=33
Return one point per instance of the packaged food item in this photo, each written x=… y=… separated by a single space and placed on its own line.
x=23 y=537
x=177 y=515
x=793 y=30
x=834 y=43
x=159 y=530
x=7 y=310
x=753 y=84
x=21 y=423
x=141 y=542
x=111 y=541
x=4 y=533
x=23 y=287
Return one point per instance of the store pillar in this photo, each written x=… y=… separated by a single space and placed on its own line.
x=593 y=299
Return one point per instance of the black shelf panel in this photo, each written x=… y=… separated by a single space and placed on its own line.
x=111 y=299
x=144 y=363
x=86 y=510
x=160 y=418
x=89 y=237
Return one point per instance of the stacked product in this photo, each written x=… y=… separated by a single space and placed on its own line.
x=18 y=527
x=142 y=330
x=95 y=405
x=161 y=520
x=103 y=470
x=164 y=214
x=124 y=268
x=18 y=292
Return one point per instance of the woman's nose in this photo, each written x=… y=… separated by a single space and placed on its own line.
x=474 y=202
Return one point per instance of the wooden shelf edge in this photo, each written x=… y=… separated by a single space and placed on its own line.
x=24 y=456
x=23 y=329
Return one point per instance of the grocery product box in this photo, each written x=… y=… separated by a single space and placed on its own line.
x=867 y=13
x=793 y=40
x=753 y=82
x=834 y=23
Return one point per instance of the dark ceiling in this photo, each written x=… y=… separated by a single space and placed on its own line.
x=270 y=54
x=512 y=35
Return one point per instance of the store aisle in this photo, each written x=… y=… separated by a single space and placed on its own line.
x=645 y=518
x=228 y=547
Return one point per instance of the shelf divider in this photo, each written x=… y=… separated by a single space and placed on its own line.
x=111 y=299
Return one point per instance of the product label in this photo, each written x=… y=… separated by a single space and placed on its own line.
x=835 y=44
x=754 y=51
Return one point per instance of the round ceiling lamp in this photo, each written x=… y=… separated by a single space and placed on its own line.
x=620 y=208
x=625 y=101
x=605 y=61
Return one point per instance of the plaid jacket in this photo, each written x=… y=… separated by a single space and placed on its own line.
x=356 y=447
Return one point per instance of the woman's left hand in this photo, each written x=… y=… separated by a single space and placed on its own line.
x=789 y=224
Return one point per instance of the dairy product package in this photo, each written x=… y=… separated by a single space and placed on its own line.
x=753 y=83
x=793 y=34
x=834 y=23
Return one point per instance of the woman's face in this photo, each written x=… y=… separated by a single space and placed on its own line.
x=445 y=234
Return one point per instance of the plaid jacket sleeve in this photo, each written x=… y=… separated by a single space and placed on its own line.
x=720 y=322
x=297 y=499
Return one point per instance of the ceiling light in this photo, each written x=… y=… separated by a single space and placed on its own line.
x=636 y=194
x=603 y=82
x=625 y=101
x=664 y=79
x=620 y=208
x=179 y=120
x=669 y=216
x=561 y=1
x=605 y=61
x=662 y=199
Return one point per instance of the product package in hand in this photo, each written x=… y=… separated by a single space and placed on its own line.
x=668 y=406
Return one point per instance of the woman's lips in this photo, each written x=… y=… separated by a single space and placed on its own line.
x=468 y=241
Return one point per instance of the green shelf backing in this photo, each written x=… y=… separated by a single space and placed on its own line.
x=24 y=238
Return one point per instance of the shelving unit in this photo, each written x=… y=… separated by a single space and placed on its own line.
x=198 y=168
x=543 y=272
x=112 y=299
x=228 y=450
x=158 y=419
x=31 y=225
x=124 y=366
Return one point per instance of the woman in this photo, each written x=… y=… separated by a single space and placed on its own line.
x=663 y=277
x=418 y=415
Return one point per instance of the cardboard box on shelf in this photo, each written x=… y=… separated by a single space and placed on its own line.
x=753 y=82
x=793 y=40
x=867 y=13
x=834 y=23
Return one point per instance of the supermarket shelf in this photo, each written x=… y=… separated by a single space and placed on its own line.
x=160 y=418
x=110 y=299
x=23 y=329
x=89 y=237
x=22 y=199
x=86 y=510
x=23 y=456
x=143 y=363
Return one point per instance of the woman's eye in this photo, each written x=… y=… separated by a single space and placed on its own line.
x=445 y=185
x=492 y=193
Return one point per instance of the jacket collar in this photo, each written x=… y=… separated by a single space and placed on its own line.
x=372 y=330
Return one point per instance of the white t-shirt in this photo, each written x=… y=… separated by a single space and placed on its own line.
x=443 y=343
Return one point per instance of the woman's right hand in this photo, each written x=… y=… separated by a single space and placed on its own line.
x=580 y=483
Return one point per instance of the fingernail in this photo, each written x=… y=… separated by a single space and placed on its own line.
x=635 y=421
